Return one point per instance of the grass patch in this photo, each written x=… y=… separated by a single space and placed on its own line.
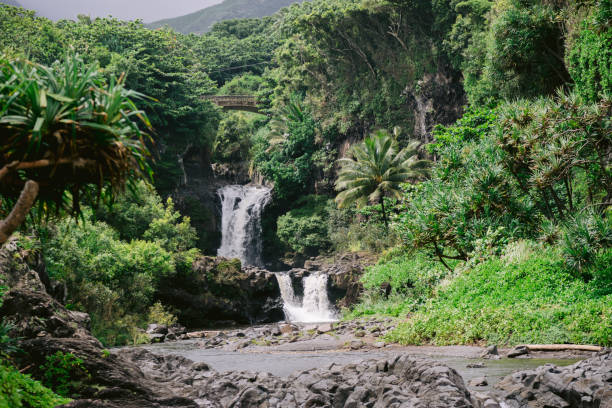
x=413 y=279
x=532 y=298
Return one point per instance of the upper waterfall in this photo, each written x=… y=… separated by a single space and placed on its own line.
x=241 y=208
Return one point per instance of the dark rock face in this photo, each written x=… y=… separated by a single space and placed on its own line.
x=436 y=99
x=220 y=291
x=400 y=382
x=586 y=384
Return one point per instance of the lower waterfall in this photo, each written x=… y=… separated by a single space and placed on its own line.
x=313 y=307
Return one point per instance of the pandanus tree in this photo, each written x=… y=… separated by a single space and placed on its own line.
x=375 y=169
x=66 y=134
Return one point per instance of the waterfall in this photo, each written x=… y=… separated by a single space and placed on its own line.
x=241 y=208
x=314 y=307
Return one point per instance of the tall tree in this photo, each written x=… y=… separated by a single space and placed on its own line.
x=66 y=134
x=375 y=169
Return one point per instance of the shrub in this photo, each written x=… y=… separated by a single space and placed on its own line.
x=305 y=229
x=160 y=315
x=513 y=299
x=585 y=237
x=590 y=57
x=19 y=390
x=64 y=373
x=413 y=278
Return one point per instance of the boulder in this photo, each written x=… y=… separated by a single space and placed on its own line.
x=356 y=344
x=288 y=328
x=156 y=337
x=478 y=382
x=324 y=328
x=157 y=329
x=490 y=353
x=221 y=292
x=585 y=384
x=399 y=381
x=518 y=351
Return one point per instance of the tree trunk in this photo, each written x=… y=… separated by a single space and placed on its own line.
x=20 y=211
x=384 y=213
x=561 y=347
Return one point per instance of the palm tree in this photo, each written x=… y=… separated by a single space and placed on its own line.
x=375 y=169
x=65 y=133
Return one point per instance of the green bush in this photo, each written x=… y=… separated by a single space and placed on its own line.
x=413 y=278
x=305 y=229
x=469 y=197
x=132 y=212
x=585 y=238
x=21 y=391
x=525 y=296
x=64 y=373
x=590 y=57
x=158 y=314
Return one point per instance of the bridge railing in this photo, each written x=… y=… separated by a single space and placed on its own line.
x=233 y=100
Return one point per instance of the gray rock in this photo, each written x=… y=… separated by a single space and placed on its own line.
x=156 y=338
x=157 y=329
x=324 y=328
x=518 y=351
x=379 y=344
x=478 y=382
x=356 y=344
x=585 y=384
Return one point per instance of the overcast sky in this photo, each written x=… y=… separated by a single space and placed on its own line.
x=147 y=10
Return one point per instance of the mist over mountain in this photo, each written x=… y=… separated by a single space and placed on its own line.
x=10 y=3
x=145 y=10
x=202 y=21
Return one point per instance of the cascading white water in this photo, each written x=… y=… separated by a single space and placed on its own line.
x=241 y=208
x=314 y=307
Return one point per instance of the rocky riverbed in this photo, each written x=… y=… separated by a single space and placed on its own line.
x=369 y=375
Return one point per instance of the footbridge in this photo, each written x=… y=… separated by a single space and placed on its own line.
x=234 y=102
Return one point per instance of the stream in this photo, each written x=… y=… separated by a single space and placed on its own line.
x=284 y=363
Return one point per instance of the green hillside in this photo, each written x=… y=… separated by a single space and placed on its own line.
x=202 y=21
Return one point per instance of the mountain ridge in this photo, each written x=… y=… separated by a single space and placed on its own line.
x=10 y=3
x=202 y=21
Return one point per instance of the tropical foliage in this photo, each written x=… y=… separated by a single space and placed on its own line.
x=376 y=169
x=67 y=133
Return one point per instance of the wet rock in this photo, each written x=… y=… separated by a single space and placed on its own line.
x=44 y=327
x=476 y=365
x=491 y=353
x=518 y=351
x=275 y=331
x=288 y=328
x=356 y=344
x=585 y=384
x=400 y=381
x=221 y=292
x=324 y=328
x=156 y=338
x=157 y=329
x=478 y=382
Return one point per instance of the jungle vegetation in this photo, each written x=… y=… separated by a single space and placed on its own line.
x=513 y=213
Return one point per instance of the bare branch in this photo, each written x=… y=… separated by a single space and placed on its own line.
x=20 y=211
